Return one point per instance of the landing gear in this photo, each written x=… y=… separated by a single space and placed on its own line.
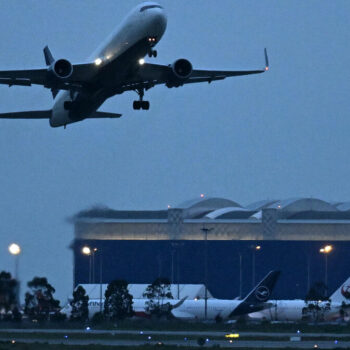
x=141 y=104
x=152 y=53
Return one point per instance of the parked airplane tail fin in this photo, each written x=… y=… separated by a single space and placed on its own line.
x=256 y=299
x=342 y=294
x=262 y=291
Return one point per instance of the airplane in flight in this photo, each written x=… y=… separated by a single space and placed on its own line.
x=298 y=309
x=117 y=66
x=186 y=309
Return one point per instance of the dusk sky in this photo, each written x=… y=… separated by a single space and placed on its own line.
x=277 y=135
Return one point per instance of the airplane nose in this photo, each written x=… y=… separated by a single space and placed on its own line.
x=159 y=21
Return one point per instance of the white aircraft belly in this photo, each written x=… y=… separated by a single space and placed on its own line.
x=135 y=28
x=60 y=116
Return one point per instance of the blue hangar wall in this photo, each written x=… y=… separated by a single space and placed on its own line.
x=140 y=246
x=184 y=261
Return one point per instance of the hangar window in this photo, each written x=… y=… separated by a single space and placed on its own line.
x=144 y=8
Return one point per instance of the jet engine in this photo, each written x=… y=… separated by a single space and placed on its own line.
x=181 y=71
x=61 y=69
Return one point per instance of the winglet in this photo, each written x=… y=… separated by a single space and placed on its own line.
x=48 y=56
x=266 y=60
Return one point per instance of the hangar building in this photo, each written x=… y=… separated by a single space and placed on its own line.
x=239 y=245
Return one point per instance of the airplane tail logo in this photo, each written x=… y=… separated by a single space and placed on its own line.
x=345 y=291
x=342 y=293
x=262 y=293
x=263 y=290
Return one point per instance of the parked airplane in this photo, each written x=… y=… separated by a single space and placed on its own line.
x=194 y=309
x=296 y=310
x=115 y=67
x=225 y=309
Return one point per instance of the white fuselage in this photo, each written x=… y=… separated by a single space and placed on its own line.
x=188 y=310
x=195 y=309
x=137 y=26
x=292 y=310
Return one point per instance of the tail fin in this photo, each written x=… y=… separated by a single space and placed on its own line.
x=342 y=293
x=255 y=300
x=263 y=290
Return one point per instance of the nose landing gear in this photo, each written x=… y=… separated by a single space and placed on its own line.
x=141 y=104
x=152 y=40
x=152 y=53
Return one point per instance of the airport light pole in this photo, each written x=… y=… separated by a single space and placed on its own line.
x=100 y=255
x=175 y=251
x=172 y=266
x=205 y=231
x=87 y=251
x=240 y=276
x=15 y=250
x=308 y=274
x=326 y=250
x=255 y=248
x=178 y=273
x=93 y=251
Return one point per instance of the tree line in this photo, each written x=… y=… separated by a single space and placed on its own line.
x=41 y=305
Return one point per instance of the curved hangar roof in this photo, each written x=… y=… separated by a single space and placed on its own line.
x=303 y=204
x=293 y=208
x=197 y=208
x=215 y=208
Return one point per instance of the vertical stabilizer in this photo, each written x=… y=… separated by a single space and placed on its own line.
x=342 y=294
x=257 y=298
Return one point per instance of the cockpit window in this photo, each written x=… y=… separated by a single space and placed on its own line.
x=144 y=8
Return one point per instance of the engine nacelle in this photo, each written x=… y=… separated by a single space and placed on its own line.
x=61 y=69
x=181 y=71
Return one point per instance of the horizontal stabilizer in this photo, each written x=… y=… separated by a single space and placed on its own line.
x=27 y=115
x=175 y=306
x=104 y=115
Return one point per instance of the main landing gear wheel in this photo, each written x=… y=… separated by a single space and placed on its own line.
x=153 y=53
x=141 y=104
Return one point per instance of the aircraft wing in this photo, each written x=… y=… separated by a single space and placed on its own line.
x=81 y=74
x=150 y=75
x=46 y=114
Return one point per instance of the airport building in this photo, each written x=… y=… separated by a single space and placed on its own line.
x=218 y=241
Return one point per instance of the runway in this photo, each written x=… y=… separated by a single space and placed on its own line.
x=179 y=333
x=193 y=343
x=79 y=337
